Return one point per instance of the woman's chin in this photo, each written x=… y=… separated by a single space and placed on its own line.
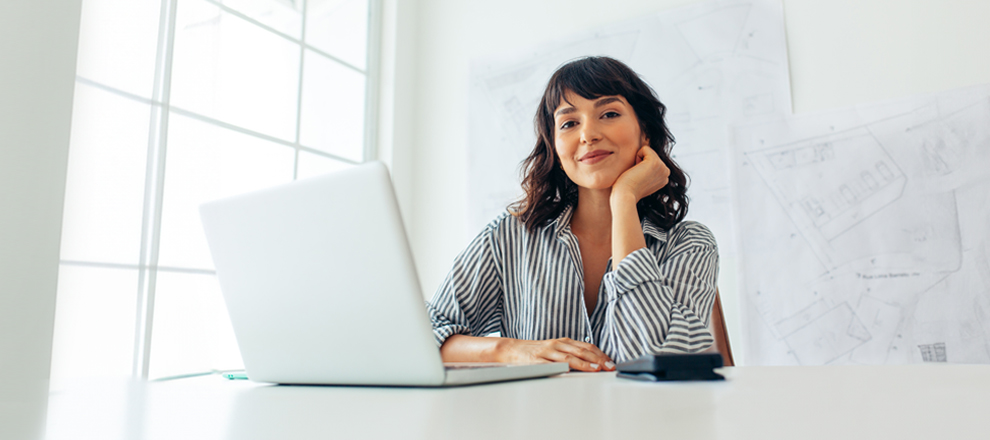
x=598 y=181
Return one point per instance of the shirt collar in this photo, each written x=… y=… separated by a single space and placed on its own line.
x=563 y=223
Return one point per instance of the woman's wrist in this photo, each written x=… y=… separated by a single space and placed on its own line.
x=498 y=352
x=621 y=198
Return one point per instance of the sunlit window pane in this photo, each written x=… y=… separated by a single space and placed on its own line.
x=284 y=16
x=231 y=70
x=203 y=163
x=231 y=77
x=191 y=331
x=315 y=165
x=94 y=323
x=104 y=191
x=117 y=43
x=332 y=107
x=339 y=28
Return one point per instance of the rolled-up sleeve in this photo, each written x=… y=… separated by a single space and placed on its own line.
x=662 y=303
x=469 y=301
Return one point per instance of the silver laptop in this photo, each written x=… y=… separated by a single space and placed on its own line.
x=321 y=289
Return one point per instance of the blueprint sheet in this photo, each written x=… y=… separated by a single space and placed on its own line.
x=865 y=233
x=713 y=64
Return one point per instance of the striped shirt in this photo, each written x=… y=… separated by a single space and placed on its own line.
x=530 y=285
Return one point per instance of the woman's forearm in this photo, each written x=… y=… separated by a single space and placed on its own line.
x=627 y=231
x=463 y=348
x=580 y=355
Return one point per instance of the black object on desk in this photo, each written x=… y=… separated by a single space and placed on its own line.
x=661 y=367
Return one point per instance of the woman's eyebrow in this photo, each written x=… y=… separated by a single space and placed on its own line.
x=606 y=101
x=564 y=111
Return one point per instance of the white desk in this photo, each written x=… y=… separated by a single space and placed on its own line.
x=924 y=402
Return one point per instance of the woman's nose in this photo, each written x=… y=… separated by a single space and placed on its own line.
x=590 y=133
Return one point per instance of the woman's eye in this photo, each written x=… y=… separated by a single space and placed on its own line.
x=567 y=124
x=610 y=115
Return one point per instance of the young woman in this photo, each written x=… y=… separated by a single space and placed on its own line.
x=594 y=265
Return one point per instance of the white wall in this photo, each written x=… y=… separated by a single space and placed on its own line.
x=37 y=73
x=842 y=52
x=396 y=104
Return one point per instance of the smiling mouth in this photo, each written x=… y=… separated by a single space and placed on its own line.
x=594 y=156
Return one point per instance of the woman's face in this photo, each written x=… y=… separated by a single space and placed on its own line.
x=596 y=140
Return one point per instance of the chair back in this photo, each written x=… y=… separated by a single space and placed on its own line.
x=720 y=333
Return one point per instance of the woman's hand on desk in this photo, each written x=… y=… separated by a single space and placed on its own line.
x=580 y=356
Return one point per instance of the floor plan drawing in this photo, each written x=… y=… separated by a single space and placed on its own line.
x=867 y=234
x=829 y=185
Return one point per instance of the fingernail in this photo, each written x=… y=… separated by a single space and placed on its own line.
x=595 y=366
x=610 y=365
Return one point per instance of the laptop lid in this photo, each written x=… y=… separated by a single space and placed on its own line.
x=320 y=285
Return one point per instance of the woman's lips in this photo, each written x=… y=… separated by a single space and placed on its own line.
x=594 y=157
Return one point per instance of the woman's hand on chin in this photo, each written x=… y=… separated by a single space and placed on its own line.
x=648 y=176
x=581 y=356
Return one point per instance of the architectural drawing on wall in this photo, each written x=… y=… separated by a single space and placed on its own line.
x=867 y=239
x=712 y=64
x=829 y=185
x=933 y=352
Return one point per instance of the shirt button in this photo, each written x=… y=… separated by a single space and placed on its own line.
x=587 y=339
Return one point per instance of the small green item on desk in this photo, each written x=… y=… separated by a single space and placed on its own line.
x=235 y=376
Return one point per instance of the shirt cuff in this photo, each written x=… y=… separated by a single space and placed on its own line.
x=637 y=268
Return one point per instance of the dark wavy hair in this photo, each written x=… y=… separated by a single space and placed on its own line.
x=548 y=189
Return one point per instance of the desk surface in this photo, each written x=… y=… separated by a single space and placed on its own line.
x=924 y=401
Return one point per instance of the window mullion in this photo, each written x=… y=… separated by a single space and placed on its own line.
x=299 y=88
x=154 y=190
x=372 y=73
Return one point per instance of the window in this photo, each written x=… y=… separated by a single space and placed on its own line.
x=179 y=102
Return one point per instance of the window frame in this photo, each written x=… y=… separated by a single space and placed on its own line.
x=147 y=266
